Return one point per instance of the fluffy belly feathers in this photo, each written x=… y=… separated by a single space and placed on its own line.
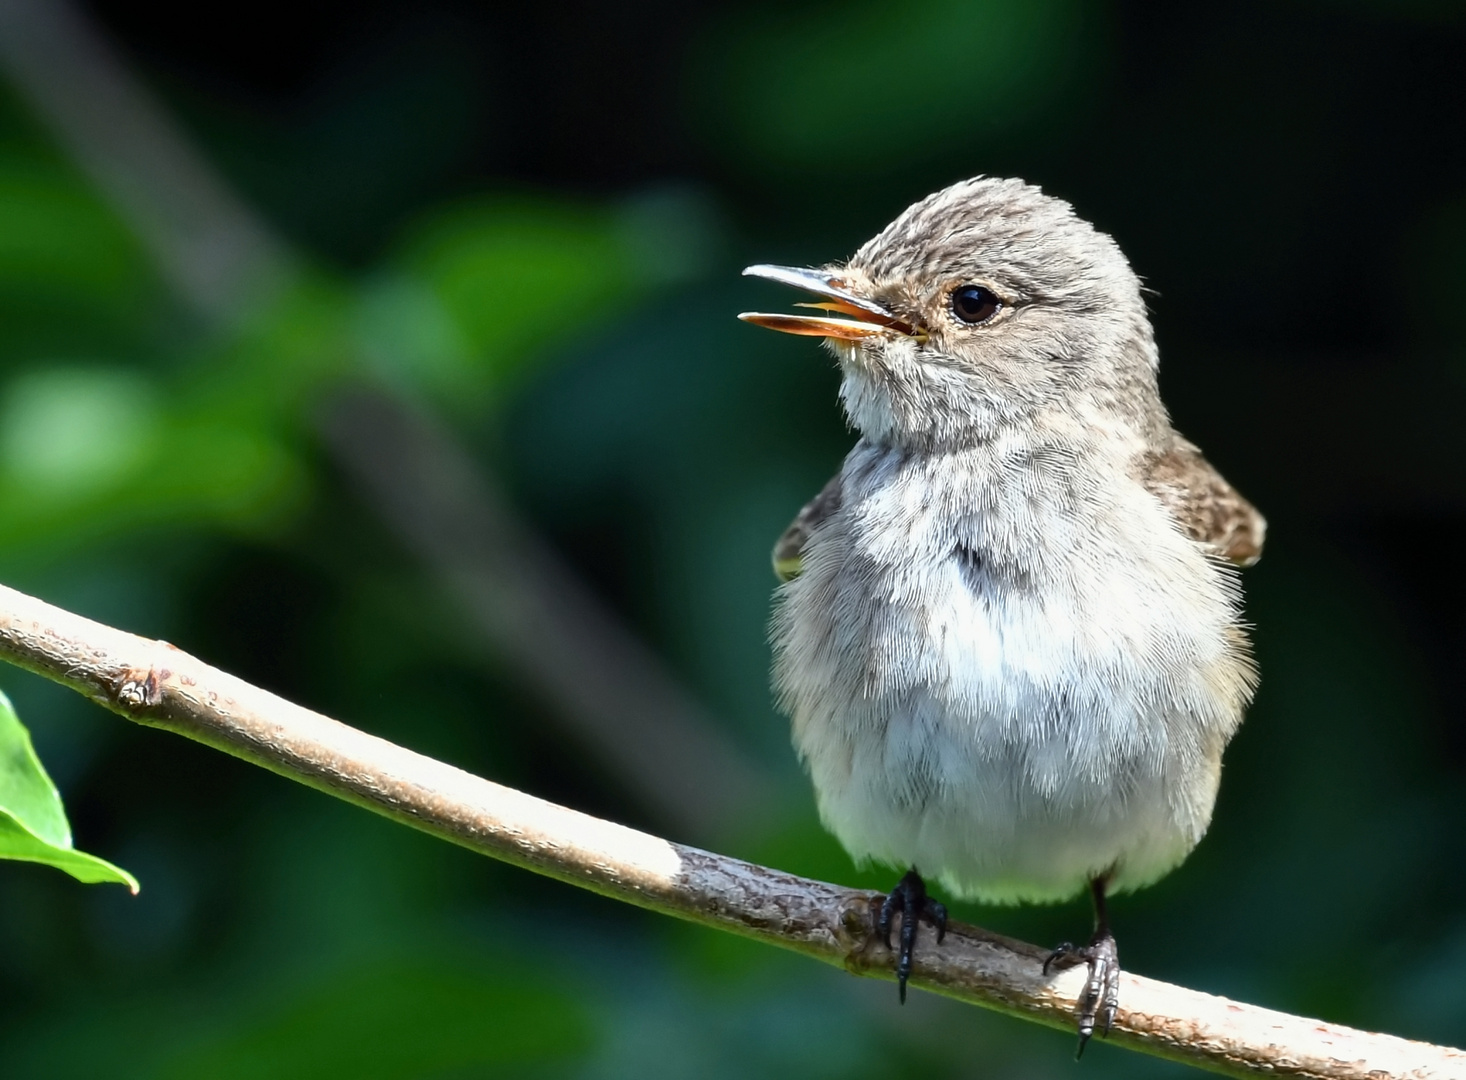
x=1004 y=735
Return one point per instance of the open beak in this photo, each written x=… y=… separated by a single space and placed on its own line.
x=867 y=318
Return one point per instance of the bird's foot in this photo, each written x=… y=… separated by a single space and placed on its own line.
x=910 y=899
x=1101 y=996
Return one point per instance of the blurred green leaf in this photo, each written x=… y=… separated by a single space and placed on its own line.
x=505 y=279
x=71 y=273
x=56 y=233
x=33 y=826
x=515 y=273
x=70 y=430
x=272 y=368
x=93 y=451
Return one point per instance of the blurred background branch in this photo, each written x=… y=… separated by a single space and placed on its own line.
x=527 y=608
x=209 y=246
x=533 y=614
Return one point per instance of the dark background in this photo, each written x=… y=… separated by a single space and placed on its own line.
x=528 y=222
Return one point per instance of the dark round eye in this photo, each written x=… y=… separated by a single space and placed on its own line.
x=974 y=304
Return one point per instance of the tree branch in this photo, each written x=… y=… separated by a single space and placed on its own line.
x=155 y=684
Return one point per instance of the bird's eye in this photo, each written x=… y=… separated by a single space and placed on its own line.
x=973 y=304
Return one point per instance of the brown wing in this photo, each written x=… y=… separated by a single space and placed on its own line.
x=1206 y=506
x=790 y=546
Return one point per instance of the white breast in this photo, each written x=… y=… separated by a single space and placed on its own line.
x=1013 y=699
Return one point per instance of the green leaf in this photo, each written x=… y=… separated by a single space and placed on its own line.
x=495 y=283
x=33 y=826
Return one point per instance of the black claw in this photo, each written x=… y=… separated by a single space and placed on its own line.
x=1061 y=952
x=910 y=898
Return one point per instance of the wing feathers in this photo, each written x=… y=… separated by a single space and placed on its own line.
x=1206 y=507
x=789 y=546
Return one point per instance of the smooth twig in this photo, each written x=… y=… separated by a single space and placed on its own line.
x=153 y=683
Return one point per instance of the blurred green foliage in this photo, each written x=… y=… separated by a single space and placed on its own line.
x=863 y=86
x=531 y=223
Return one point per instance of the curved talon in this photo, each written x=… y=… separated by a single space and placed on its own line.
x=911 y=898
x=1101 y=991
x=1062 y=951
x=888 y=911
x=1101 y=997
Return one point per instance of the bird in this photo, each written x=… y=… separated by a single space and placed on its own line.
x=1009 y=632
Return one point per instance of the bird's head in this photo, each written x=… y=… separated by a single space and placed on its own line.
x=980 y=307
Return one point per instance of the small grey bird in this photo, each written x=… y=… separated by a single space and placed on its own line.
x=1009 y=635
